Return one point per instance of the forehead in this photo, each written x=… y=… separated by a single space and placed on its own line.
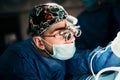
x=57 y=26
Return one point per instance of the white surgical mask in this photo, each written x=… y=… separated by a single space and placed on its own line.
x=62 y=51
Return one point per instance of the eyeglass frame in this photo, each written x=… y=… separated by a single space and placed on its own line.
x=66 y=34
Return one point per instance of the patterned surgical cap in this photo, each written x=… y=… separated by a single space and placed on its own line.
x=43 y=16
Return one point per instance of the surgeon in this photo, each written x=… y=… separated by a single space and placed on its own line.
x=43 y=55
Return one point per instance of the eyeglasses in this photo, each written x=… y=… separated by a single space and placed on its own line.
x=66 y=34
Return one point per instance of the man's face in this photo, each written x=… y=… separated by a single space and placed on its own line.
x=58 y=34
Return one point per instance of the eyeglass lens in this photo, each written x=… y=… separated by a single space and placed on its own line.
x=66 y=34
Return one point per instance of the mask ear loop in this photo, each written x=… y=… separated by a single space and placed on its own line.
x=46 y=42
x=49 y=53
x=91 y=61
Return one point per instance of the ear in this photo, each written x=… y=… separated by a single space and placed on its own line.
x=38 y=42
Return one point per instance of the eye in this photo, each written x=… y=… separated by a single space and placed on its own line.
x=57 y=35
x=63 y=32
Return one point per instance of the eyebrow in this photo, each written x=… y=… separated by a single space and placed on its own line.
x=56 y=29
x=61 y=28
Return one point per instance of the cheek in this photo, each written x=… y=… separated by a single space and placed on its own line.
x=55 y=41
x=52 y=41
